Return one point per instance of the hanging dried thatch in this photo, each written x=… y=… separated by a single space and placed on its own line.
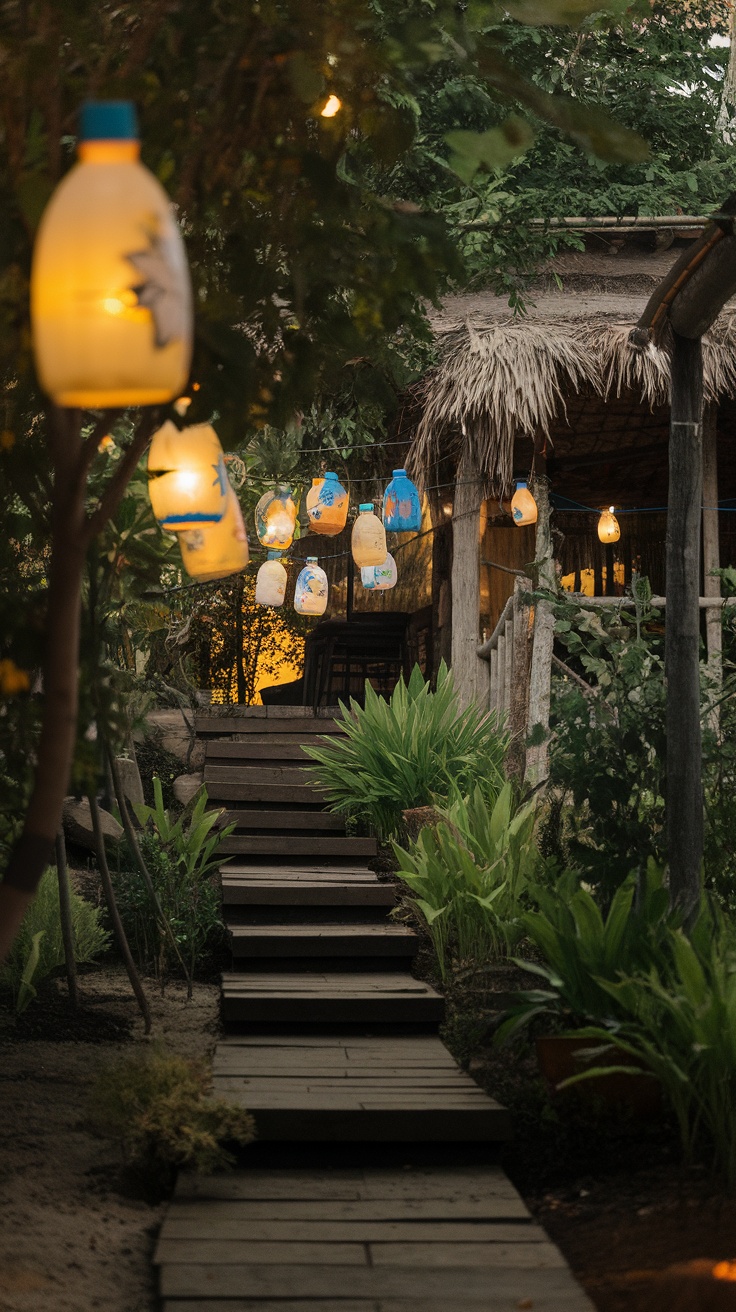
x=508 y=377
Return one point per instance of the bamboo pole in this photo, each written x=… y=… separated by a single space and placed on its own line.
x=540 y=681
x=470 y=673
x=712 y=561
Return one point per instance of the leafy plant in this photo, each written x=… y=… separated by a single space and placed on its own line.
x=410 y=751
x=583 y=950
x=39 y=949
x=159 y=1109
x=181 y=855
x=681 y=1022
x=469 y=874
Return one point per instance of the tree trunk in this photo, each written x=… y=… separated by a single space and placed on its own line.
x=684 y=797
x=65 y=914
x=114 y=914
x=540 y=679
x=471 y=674
x=239 y=639
x=55 y=752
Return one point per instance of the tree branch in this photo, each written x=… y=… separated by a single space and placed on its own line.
x=91 y=443
x=113 y=493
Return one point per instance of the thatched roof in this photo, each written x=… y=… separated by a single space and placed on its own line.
x=502 y=377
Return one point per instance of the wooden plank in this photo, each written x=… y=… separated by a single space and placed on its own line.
x=203 y=1223
x=271 y=724
x=303 y=893
x=283 y=1305
x=260 y=791
x=547 y=1289
x=337 y=873
x=215 y=1249
x=255 y=774
x=348 y=1210
x=282 y=1254
x=293 y=845
x=535 y=1254
x=272 y=750
x=319 y=820
x=359 y=940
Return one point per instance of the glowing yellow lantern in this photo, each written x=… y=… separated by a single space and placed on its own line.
x=332 y=106
x=188 y=482
x=276 y=518
x=368 y=542
x=111 y=303
x=216 y=550
x=608 y=527
x=523 y=505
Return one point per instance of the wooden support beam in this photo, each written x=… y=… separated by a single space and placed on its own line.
x=540 y=682
x=684 y=798
x=712 y=560
x=471 y=674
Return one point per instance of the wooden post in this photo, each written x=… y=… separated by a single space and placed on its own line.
x=540 y=681
x=471 y=674
x=519 y=708
x=712 y=560
x=684 y=798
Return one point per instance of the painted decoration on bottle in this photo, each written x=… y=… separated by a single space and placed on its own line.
x=271 y=581
x=402 y=506
x=368 y=541
x=379 y=578
x=187 y=478
x=275 y=517
x=216 y=550
x=111 y=302
x=327 y=505
x=310 y=593
x=609 y=530
x=523 y=506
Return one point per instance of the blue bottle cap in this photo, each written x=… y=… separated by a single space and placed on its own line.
x=399 y=473
x=311 y=560
x=365 y=505
x=329 y=474
x=108 y=120
x=520 y=482
x=275 y=555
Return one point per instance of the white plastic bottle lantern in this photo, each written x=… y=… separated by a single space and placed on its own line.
x=608 y=527
x=310 y=593
x=402 y=507
x=216 y=550
x=379 y=578
x=111 y=302
x=523 y=506
x=327 y=505
x=271 y=581
x=368 y=541
x=275 y=517
x=187 y=478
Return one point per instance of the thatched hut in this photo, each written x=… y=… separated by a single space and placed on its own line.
x=560 y=395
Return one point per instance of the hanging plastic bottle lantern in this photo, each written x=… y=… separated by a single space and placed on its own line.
x=402 y=507
x=368 y=542
x=187 y=478
x=216 y=550
x=608 y=527
x=379 y=578
x=327 y=505
x=276 y=518
x=111 y=302
x=271 y=581
x=523 y=506
x=310 y=593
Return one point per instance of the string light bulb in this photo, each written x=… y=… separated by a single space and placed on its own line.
x=608 y=527
x=332 y=107
x=523 y=505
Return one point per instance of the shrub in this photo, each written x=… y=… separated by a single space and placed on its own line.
x=469 y=875
x=158 y=1107
x=39 y=949
x=181 y=856
x=156 y=761
x=411 y=751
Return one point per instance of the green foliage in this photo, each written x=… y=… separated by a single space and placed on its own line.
x=681 y=1022
x=158 y=1107
x=39 y=949
x=156 y=761
x=412 y=750
x=608 y=749
x=469 y=875
x=582 y=949
x=181 y=856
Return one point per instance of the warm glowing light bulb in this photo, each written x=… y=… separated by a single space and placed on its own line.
x=608 y=527
x=186 y=480
x=725 y=1270
x=333 y=107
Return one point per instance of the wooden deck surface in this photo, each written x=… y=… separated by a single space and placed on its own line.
x=330 y=1040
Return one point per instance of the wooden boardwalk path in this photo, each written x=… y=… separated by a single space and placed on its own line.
x=330 y=1040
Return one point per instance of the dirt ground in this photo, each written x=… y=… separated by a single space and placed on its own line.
x=71 y=1240
x=641 y=1233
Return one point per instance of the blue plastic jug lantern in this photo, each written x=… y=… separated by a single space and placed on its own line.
x=327 y=505
x=402 y=507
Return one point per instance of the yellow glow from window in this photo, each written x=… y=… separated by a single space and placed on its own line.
x=333 y=107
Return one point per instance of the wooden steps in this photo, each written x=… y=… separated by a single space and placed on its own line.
x=365 y=1240
x=306 y=892
x=293 y=845
x=322 y=940
x=284 y=822
x=380 y=998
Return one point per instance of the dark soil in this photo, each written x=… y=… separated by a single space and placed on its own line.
x=51 y=1019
